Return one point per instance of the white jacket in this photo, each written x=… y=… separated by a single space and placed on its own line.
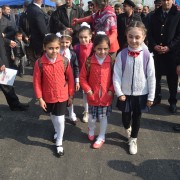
x=137 y=84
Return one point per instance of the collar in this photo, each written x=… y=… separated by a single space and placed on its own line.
x=50 y=59
x=135 y=49
x=37 y=5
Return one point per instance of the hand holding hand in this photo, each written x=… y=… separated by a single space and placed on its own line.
x=149 y=103
x=12 y=44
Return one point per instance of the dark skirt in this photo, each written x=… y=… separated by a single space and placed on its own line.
x=133 y=103
x=57 y=109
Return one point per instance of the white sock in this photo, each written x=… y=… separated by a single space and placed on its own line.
x=60 y=125
x=54 y=122
x=85 y=102
x=103 y=127
x=71 y=111
x=91 y=125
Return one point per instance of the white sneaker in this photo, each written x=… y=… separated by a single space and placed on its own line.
x=60 y=151
x=128 y=132
x=85 y=117
x=133 y=145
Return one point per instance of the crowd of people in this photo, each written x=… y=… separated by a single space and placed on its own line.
x=123 y=49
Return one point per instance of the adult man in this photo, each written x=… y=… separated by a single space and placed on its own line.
x=8 y=91
x=123 y=21
x=164 y=38
x=90 y=9
x=38 y=22
x=62 y=18
x=118 y=9
x=145 y=10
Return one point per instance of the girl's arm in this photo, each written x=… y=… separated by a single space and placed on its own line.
x=87 y=19
x=151 y=80
x=117 y=76
x=84 y=79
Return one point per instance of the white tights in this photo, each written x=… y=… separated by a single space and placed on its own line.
x=85 y=102
x=103 y=126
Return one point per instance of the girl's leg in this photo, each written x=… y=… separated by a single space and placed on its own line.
x=85 y=117
x=136 y=117
x=103 y=127
x=72 y=115
x=53 y=119
x=91 y=126
x=126 y=120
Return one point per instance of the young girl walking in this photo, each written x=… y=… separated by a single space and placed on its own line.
x=96 y=81
x=134 y=81
x=65 y=43
x=54 y=86
x=83 y=50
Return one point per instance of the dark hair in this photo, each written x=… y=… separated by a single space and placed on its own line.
x=101 y=3
x=66 y=35
x=5 y=6
x=18 y=32
x=146 y=6
x=99 y=38
x=84 y=28
x=118 y=5
x=49 y=38
x=137 y=24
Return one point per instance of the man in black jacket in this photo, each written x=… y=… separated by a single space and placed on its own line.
x=164 y=38
x=62 y=18
x=38 y=22
x=8 y=91
x=123 y=20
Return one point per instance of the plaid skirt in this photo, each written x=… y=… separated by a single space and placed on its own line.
x=133 y=103
x=99 y=111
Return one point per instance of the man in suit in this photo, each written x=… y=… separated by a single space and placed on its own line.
x=8 y=91
x=62 y=19
x=38 y=23
x=124 y=19
x=164 y=40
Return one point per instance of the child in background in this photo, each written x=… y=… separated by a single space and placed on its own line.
x=18 y=53
x=65 y=43
x=54 y=86
x=96 y=81
x=134 y=81
x=83 y=51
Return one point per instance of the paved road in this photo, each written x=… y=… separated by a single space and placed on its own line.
x=26 y=150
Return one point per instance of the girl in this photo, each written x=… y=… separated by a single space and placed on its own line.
x=96 y=81
x=103 y=20
x=134 y=81
x=83 y=50
x=54 y=85
x=65 y=43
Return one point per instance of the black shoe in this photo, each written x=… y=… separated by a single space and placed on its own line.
x=59 y=153
x=21 y=75
x=20 y=107
x=172 y=108
x=176 y=128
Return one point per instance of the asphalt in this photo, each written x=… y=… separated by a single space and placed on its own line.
x=27 y=150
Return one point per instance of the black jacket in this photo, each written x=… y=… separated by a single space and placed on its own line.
x=121 y=27
x=24 y=24
x=59 y=19
x=38 y=21
x=165 y=32
x=3 y=55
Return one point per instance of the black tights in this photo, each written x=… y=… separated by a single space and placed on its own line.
x=126 y=119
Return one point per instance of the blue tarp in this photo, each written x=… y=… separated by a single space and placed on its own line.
x=20 y=2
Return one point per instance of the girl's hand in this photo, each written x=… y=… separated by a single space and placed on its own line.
x=75 y=21
x=77 y=86
x=90 y=93
x=110 y=93
x=42 y=103
x=70 y=101
x=2 y=68
x=122 y=98
x=149 y=103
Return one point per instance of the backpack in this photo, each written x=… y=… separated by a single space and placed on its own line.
x=146 y=57
x=88 y=64
x=65 y=62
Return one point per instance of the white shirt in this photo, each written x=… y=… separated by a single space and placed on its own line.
x=37 y=5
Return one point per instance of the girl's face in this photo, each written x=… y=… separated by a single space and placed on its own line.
x=102 y=49
x=52 y=49
x=84 y=37
x=65 y=43
x=135 y=37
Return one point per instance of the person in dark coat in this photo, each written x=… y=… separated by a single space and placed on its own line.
x=62 y=19
x=123 y=21
x=38 y=22
x=9 y=92
x=164 y=38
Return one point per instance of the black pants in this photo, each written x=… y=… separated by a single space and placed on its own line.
x=10 y=95
x=136 y=117
x=172 y=80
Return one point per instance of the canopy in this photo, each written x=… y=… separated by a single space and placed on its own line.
x=21 y=2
